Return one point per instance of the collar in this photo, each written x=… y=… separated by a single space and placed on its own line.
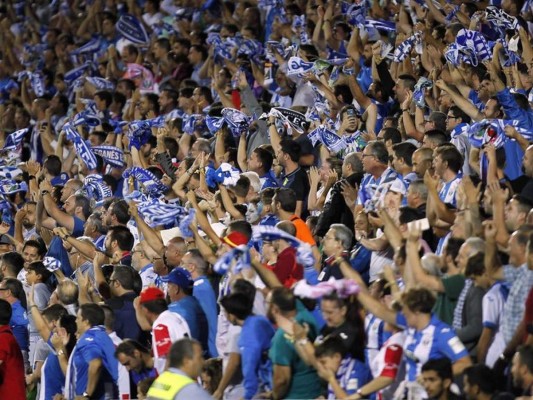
x=458 y=129
x=146 y=267
x=331 y=259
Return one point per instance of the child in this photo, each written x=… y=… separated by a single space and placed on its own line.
x=143 y=386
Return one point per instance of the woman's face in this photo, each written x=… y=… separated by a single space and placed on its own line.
x=332 y=313
x=62 y=333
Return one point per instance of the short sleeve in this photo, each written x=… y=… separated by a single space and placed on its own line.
x=450 y=345
x=393 y=358
x=162 y=340
x=401 y=321
x=280 y=352
x=453 y=286
x=91 y=351
x=234 y=333
x=491 y=309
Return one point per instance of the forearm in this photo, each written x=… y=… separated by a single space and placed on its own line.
x=442 y=212
x=337 y=389
x=280 y=386
x=219 y=148
x=241 y=154
x=378 y=383
x=234 y=363
x=517 y=339
x=409 y=126
x=268 y=277
x=93 y=375
x=483 y=345
x=83 y=247
x=502 y=236
x=152 y=237
x=204 y=249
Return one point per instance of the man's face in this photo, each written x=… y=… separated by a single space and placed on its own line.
x=439 y=166
x=368 y=159
x=420 y=166
x=254 y=164
x=194 y=56
x=470 y=391
x=513 y=217
x=70 y=205
x=144 y=106
x=433 y=384
x=164 y=100
x=136 y=256
x=491 y=109
x=30 y=254
x=400 y=90
x=452 y=121
x=29 y=219
x=132 y=363
x=462 y=257
x=330 y=243
x=108 y=27
x=173 y=255
x=527 y=162
x=67 y=191
x=109 y=245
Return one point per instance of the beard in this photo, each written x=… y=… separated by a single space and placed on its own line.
x=27 y=224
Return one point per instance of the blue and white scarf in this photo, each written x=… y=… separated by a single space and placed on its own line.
x=95 y=188
x=100 y=83
x=386 y=26
x=418 y=93
x=9 y=186
x=36 y=81
x=151 y=184
x=191 y=123
x=156 y=212
x=238 y=122
x=52 y=264
x=226 y=174
x=83 y=150
x=132 y=29
x=91 y=47
x=508 y=57
x=328 y=138
x=404 y=49
x=290 y=119
x=298 y=67
x=77 y=72
x=500 y=18
x=450 y=17
x=493 y=131
x=111 y=155
x=214 y=124
x=7 y=172
x=304 y=253
x=469 y=47
x=14 y=140
x=239 y=257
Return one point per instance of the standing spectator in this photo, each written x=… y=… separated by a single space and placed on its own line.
x=179 y=382
x=11 y=362
x=11 y=291
x=180 y=286
x=167 y=327
x=93 y=369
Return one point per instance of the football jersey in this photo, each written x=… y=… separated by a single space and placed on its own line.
x=389 y=363
x=168 y=328
x=493 y=304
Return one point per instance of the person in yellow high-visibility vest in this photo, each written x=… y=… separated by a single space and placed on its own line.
x=179 y=381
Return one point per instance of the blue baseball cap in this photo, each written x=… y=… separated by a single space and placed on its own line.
x=181 y=277
x=60 y=180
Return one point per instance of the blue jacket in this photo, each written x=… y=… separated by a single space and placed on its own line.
x=513 y=110
x=254 y=342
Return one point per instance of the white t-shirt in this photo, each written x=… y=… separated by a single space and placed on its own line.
x=493 y=303
x=168 y=328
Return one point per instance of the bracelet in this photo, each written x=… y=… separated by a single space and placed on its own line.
x=126 y=153
x=339 y=259
x=405 y=110
x=269 y=124
x=31 y=177
x=44 y=192
x=33 y=305
x=302 y=342
x=60 y=352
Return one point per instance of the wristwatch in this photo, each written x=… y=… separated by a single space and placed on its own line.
x=86 y=395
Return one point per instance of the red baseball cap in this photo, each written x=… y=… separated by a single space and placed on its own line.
x=151 y=293
x=235 y=239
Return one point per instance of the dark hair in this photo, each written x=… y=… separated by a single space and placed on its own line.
x=172 y=146
x=241 y=226
x=291 y=148
x=157 y=306
x=123 y=236
x=164 y=43
x=481 y=376
x=85 y=204
x=442 y=366
x=459 y=113
x=54 y=312
x=392 y=134
x=242 y=286
x=287 y=226
x=213 y=369
x=408 y=214
x=153 y=99
x=287 y=199
x=379 y=150
x=475 y=266
x=5 y=312
x=124 y=275
x=436 y=136
x=15 y=287
x=38 y=244
x=181 y=350
x=404 y=151
x=106 y=96
x=452 y=247
x=121 y=211
x=237 y=304
x=265 y=158
x=418 y=299
x=92 y=313
x=68 y=322
x=242 y=186
x=331 y=346
x=451 y=156
x=128 y=347
x=284 y=299
x=13 y=261
x=40 y=269
x=53 y=165
x=408 y=81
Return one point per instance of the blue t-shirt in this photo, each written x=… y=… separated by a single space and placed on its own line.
x=204 y=293
x=436 y=340
x=189 y=308
x=94 y=343
x=78 y=227
x=19 y=325
x=52 y=377
x=351 y=375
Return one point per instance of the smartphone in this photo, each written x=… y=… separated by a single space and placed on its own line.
x=422 y=224
x=351 y=112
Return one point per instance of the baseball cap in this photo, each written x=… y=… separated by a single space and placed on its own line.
x=4 y=239
x=181 y=277
x=235 y=239
x=150 y=294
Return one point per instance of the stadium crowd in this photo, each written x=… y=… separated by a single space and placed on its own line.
x=277 y=199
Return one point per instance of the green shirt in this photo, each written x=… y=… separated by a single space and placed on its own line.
x=446 y=301
x=305 y=383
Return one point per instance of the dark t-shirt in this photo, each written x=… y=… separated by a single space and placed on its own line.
x=299 y=182
x=126 y=325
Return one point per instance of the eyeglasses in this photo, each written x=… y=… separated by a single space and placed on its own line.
x=4 y=288
x=367 y=155
x=451 y=117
